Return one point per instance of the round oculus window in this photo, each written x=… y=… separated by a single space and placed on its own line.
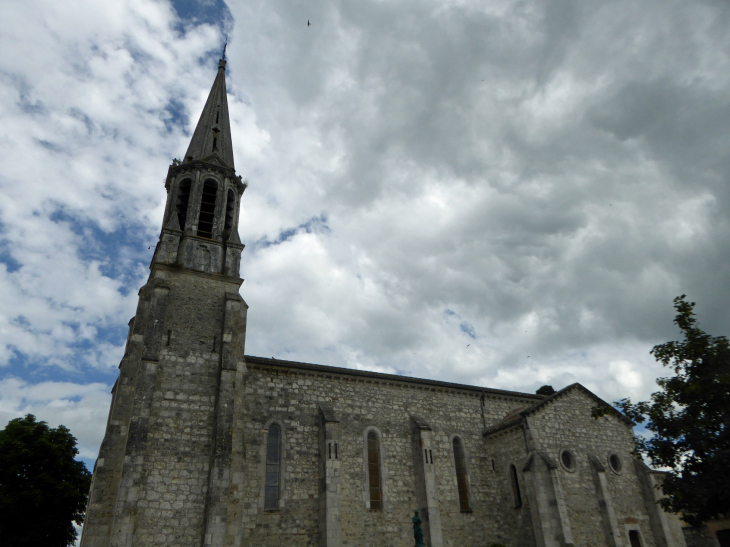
x=614 y=463
x=567 y=459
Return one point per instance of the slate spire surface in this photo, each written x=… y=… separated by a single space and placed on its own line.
x=211 y=140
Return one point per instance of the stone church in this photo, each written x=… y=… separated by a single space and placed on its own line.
x=207 y=446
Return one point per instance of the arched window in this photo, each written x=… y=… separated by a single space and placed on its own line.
x=376 y=493
x=207 y=208
x=181 y=205
x=230 y=207
x=461 y=482
x=634 y=538
x=515 y=486
x=273 y=468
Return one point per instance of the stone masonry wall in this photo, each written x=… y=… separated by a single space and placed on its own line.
x=171 y=503
x=566 y=423
x=160 y=438
x=172 y=390
x=291 y=397
x=514 y=524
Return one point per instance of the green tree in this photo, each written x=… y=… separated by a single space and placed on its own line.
x=545 y=390
x=43 y=489
x=690 y=421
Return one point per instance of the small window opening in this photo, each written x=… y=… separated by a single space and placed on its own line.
x=461 y=482
x=214 y=143
x=567 y=459
x=376 y=497
x=615 y=462
x=169 y=334
x=335 y=450
x=330 y=451
x=273 y=468
x=515 y=486
x=207 y=209
x=431 y=454
x=634 y=538
x=181 y=205
x=215 y=341
x=228 y=224
x=216 y=116
x=425 y=453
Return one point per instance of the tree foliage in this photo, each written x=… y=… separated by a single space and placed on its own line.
x=690 y=421
x=43 y=489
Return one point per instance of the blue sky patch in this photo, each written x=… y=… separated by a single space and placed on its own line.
x=212 y=12
x=119 y=253
x=316 y=225
x=175 y=117
x=6 y=258
x=468 y=329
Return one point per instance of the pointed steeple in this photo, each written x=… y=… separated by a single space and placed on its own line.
x=212 y=136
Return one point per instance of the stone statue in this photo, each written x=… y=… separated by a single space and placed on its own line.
x=417 y=531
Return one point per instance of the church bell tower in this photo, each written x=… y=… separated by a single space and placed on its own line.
x=163 y=475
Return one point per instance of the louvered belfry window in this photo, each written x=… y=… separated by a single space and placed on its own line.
x=181 y=206
x=207 y=209
x=376 y=493
x=461 y=482
x=273 y=468
x=230 y=205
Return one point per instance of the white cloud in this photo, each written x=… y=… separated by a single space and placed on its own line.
x=505 y=194
x=83 y=408
x=86 y=93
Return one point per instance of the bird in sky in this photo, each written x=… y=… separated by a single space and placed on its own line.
x=308 y=23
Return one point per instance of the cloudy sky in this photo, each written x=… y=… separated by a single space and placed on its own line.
x=495 y=192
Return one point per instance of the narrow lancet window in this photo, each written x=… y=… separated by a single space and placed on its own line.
x=515 y=486
x=273 y=468
x=181 y=206
x=207 y=209
x=461 y=482
x=230 y=206
x=376 y=494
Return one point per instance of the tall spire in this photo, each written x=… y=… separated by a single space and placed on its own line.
x=212 y=136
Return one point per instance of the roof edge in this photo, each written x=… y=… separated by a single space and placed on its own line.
x=537 y=406
x=516 y=419
x=327 y=369
x=511 y=423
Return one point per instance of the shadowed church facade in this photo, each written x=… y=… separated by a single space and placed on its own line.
x=206 y=446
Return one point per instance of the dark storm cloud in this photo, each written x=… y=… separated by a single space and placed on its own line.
x=557 y=169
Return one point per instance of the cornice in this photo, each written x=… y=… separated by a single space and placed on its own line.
x=191 y=166
x=379 y=377
x=237 y=281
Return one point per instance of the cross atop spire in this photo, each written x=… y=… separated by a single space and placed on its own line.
x=211 y=140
